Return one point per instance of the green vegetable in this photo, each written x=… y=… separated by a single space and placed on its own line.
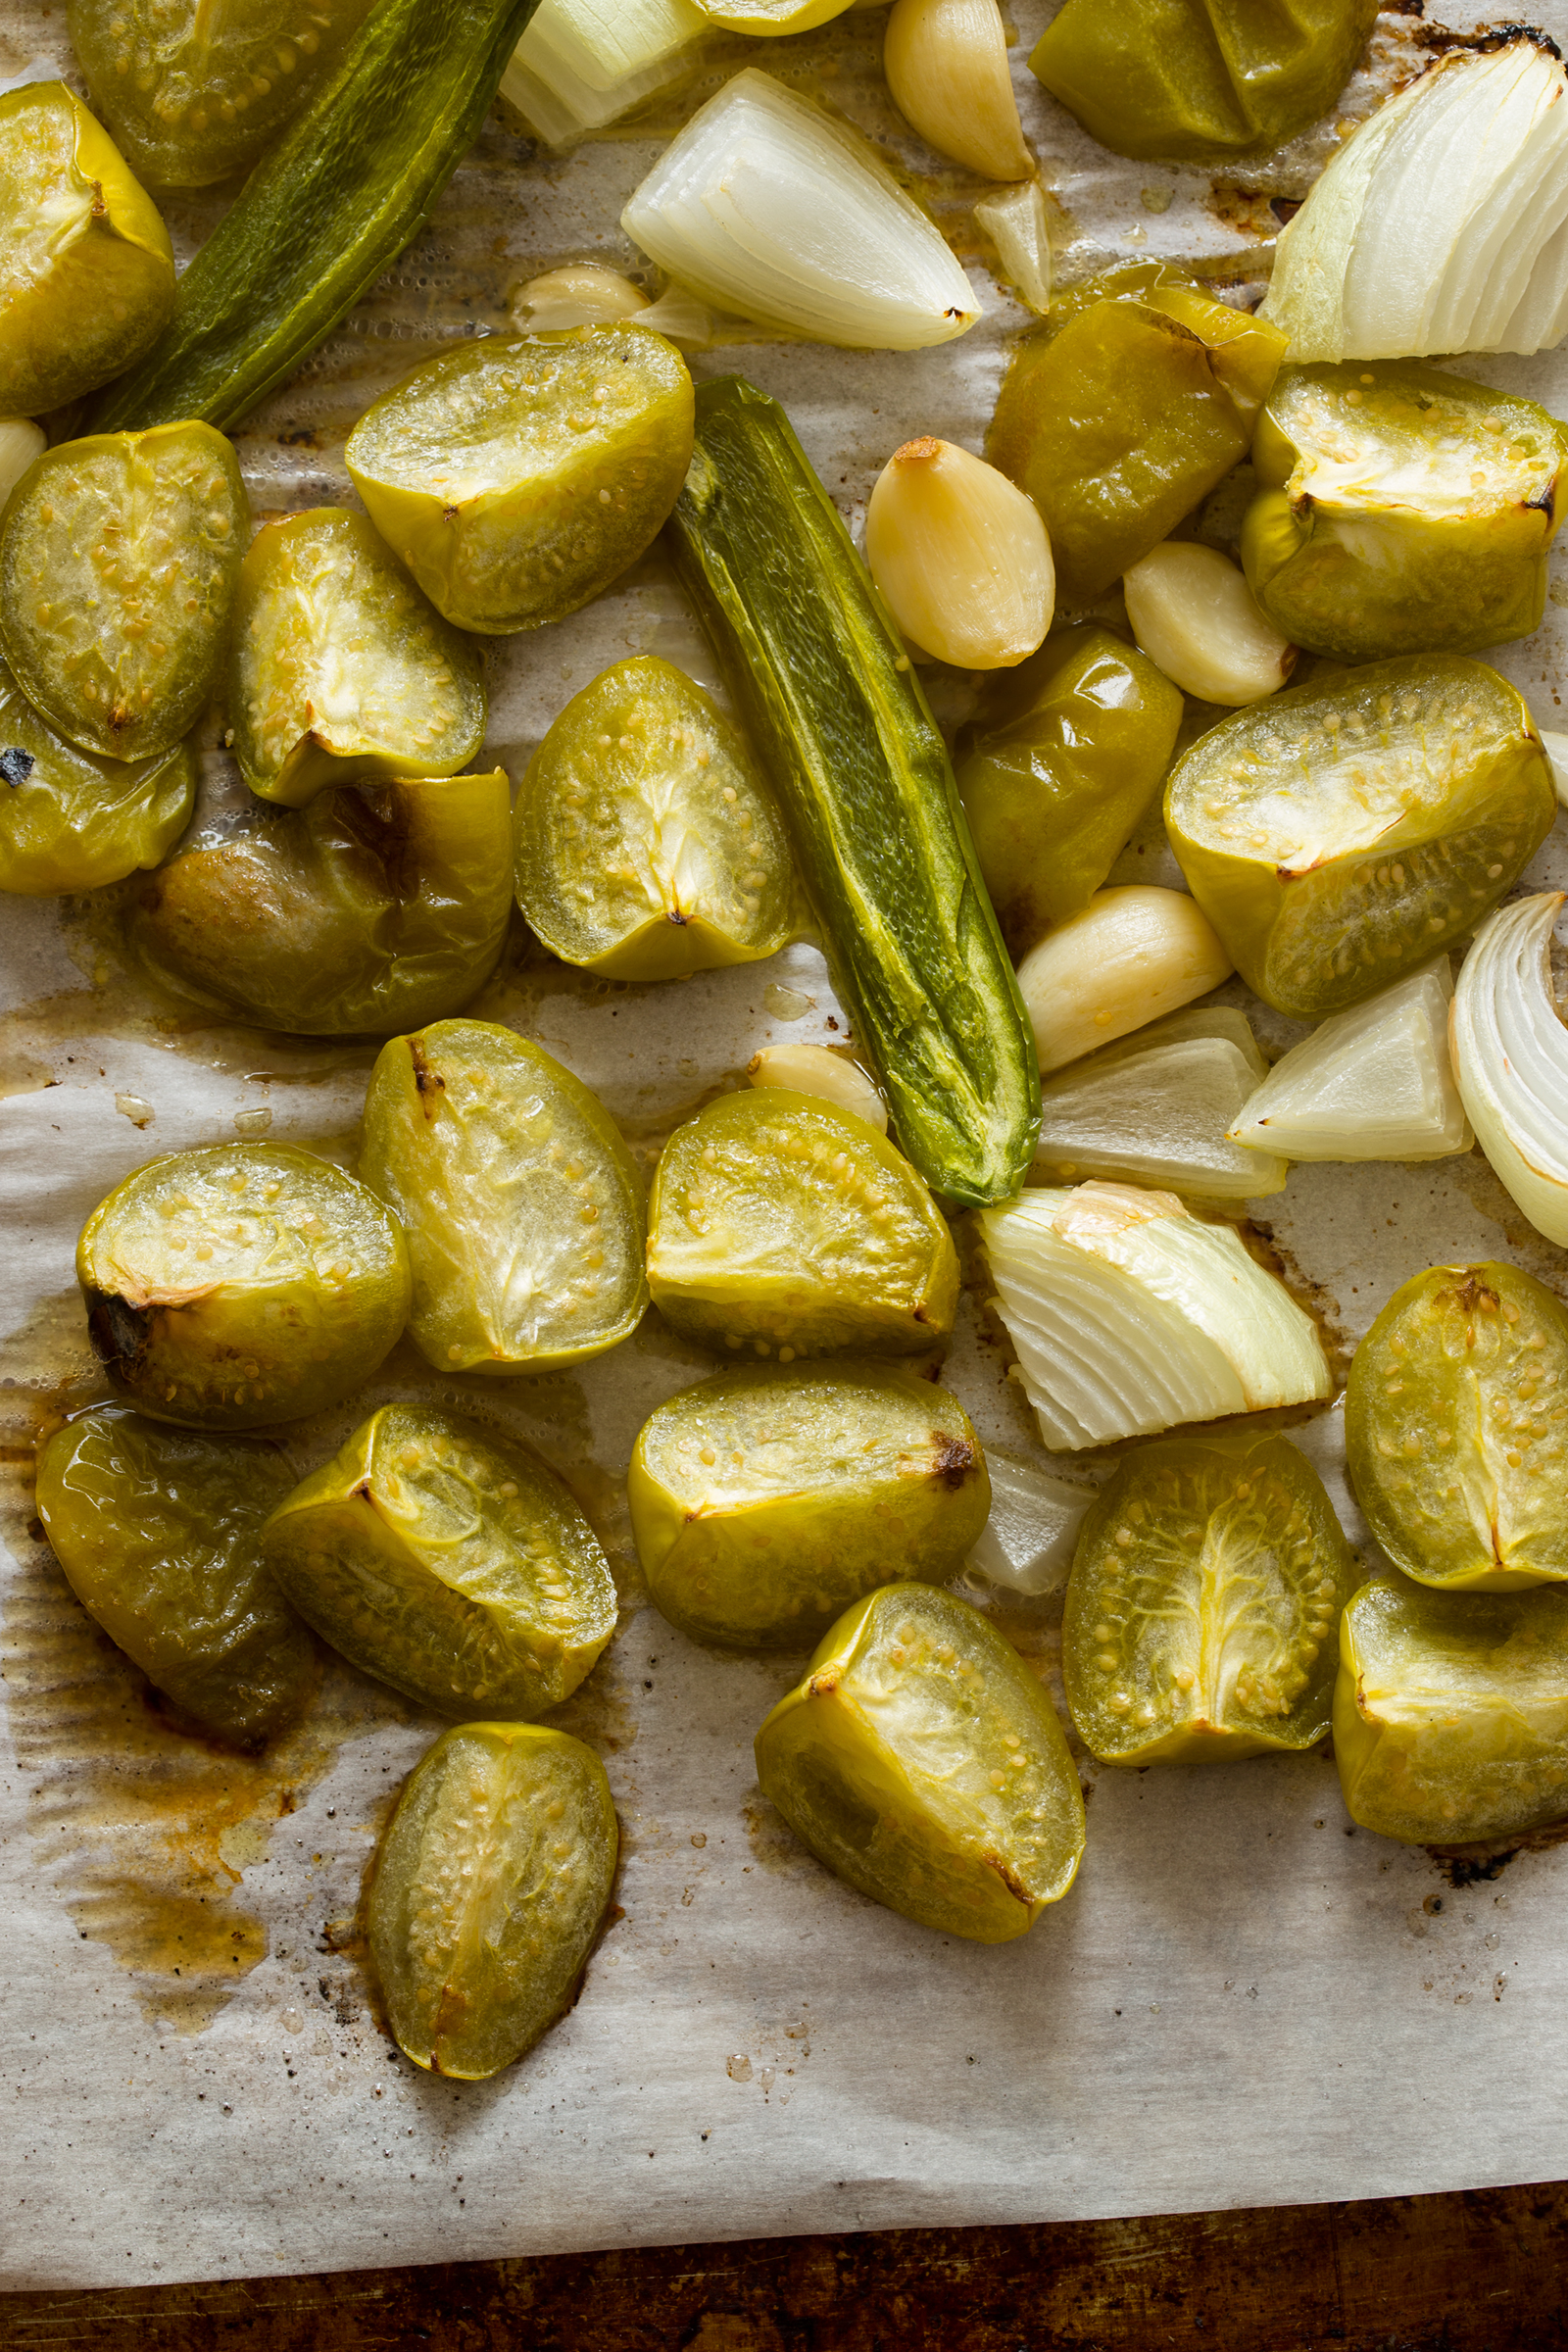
x=766 y=1501
x=1455 y=1422
x=376 y=907
x=1067 y=754
x=1201 y=81
x=348 y=185
x=1450 y=1712
x=489 y=1888
x=1344 y=832
x=847 y=741
x=1199 y=1618
x=157 y=1530
x=449 y=1561
x=1402 y=510
x=1123 y=411
x=73 y=820
x=517 y=477
x=921 y=1760
x=86 y=269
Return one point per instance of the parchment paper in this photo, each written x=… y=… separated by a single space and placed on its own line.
x=1242 y=2002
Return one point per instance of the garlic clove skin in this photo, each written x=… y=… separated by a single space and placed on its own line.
x=1193 y=614
x=819 y=1070
x=946 y=62
x=20 y=441
x=961 y=557
x=582 y=294
x=1131 y=955
x=1018 y=225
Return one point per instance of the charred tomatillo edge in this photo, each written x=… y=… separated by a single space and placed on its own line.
x=491 y=1882
x=922 y=1761
x=344 y=191
x=845 y=734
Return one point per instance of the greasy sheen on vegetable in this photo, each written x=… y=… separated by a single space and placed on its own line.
x=241 y=1284
x=339 y=667
x=920 y=1759
x=1345 y=831
x=447 y=1560
x=648 y=843
x=119 y=556
x=517 y=477
x=194 y=93
x=74 y=821
x=767 y=1500
x=780 y=1222
x=1124 y=409
x=1450 y=1712
x=490 y=1885
x=1064 y=759
x=156 y=1532
x=521 y=1205
x=1201 y=1612
x=1401 y=509
x=86 y=269
x=845 y=739
x=1201 y=81
x=331 y=203
x=380 y=905
x=1454 y=1425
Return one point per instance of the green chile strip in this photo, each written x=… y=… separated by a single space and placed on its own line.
x=343 y=192
x=864 y=775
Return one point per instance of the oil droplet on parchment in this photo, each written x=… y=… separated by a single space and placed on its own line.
x=738 y=2068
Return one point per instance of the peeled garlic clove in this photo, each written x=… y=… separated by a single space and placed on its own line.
x=1131 y=955
x=1193 y=614
x=947 y=66
x=582 y=294
x=20 y=441
x=1016 y=222
x=961 y=557
x=819 y=1070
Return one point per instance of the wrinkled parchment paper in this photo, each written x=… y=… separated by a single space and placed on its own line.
x=1242 y=2002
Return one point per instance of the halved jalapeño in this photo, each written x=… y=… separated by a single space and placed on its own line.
x=119 y=556
x=1199 y=1618
x=74 y=821
x=340 y=668
x=922 y=1761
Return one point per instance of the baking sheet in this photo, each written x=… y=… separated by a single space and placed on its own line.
x=1242 y=2002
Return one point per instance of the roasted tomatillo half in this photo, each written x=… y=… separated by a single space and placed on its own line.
x=648 y=845
x=1450 y=1712
x=1065 y=757
x=1201 y=81
x=522 y=1207
x=490 y=1885
x=340 y=668
x=74 y=821
x=517 y=477
x=921 y=1760
x=1199 y=1627
x=378 y=906
x=1342 y=833
x=158 y=1529
x=1402 y=509
x=449 y=1561
x=241 y=1284
x=766 y=1501
x=194 y=93
x=86 y=269
x=1454 y=1426
x=780 y=1223
x=1123 y=411
x=119 y=556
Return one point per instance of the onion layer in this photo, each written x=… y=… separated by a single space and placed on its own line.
x=1027 y=1543
x=1510 y=1058
x=1374 y=1083
x=582 y=63
x=1155 y=1108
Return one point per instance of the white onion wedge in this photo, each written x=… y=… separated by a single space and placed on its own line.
x=1374 y=1083
x=1510 y=1058
x=1157 y=1108
x=1441 y=224
x=1131 y=1316
x=769 y=208
x=1027 y=1543
x=584 y=63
